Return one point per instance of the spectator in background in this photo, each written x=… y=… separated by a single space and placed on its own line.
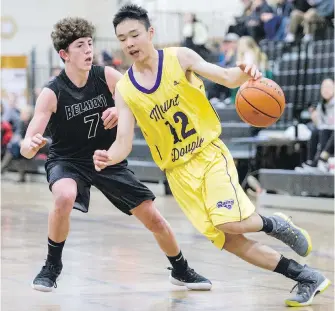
x=6 y=133
x=317 y=13
x=227 y=59
x=249 y=52
x=254 y=22
x=195 y=35
x=276 y=23
x=228 y=47
x=13 y=149
x=240 y=22
x=11 y=113
x=321 y=144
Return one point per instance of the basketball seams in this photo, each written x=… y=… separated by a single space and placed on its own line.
x=257 y=108
x=253 y=87
x=244 y=119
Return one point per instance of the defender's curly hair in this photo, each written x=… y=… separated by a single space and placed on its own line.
x=70 y=29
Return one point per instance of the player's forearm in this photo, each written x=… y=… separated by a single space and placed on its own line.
x=229 y=77
x=118 y=152
x=25 y=149
x=234 y=77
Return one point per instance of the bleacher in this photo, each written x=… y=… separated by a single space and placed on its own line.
x=299 y=69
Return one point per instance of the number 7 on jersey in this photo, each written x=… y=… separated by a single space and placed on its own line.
x=93 y=119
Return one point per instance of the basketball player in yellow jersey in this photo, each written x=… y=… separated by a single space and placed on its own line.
x=182 y=130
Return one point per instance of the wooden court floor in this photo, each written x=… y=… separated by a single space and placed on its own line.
x=112 y=263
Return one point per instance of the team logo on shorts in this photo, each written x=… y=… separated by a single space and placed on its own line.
x=228 y=204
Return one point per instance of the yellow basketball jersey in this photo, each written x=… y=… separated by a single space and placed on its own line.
x=175 y=116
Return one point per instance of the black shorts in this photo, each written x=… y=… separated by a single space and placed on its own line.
x=118 y=183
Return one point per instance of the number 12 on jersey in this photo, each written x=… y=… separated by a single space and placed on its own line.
x=180 y=116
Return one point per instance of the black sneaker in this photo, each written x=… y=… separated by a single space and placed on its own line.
x=190 y=279
x=46 y=279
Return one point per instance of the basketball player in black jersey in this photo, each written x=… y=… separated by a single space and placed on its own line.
x=78 y=108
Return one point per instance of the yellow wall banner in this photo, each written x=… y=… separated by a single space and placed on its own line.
x=14 y=78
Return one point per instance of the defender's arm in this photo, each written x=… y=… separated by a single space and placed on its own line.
x=46 y=104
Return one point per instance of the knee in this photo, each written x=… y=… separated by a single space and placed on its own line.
x=296 y=14
x=232 y=228
x=150 y=217
x=157 y=224
x=310 y=15
x=64 y=202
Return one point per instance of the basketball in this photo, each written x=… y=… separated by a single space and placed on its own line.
x=260 y=103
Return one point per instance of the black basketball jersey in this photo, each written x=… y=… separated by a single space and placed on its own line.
x=76 y=128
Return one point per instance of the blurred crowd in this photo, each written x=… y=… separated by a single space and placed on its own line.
x=283 y=19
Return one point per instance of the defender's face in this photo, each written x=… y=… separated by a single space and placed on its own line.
x=79 y=53
x=134 y=38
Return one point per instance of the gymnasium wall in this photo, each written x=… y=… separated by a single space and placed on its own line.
x=34 y=19
x=28 y=23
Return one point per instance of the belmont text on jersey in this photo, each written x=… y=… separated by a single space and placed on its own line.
x=79 y=108
x=76 y=128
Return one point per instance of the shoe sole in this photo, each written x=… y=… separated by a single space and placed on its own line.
x=304 y=233
x=192 y=286
x=42 y=288
x=319 y=290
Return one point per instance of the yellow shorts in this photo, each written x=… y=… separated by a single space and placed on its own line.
x=208 y=191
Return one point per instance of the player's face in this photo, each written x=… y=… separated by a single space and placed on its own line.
x=79 y=54
x=135 y=40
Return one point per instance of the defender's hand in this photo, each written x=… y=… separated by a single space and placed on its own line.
x=37 y=142
x=250 y=70
x=110 y=118
x=100 y=159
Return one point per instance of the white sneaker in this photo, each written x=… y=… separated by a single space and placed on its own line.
x=323 y=166
x=307 y=169
x=290 y=37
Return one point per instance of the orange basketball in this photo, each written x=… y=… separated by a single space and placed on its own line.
x=260 y=103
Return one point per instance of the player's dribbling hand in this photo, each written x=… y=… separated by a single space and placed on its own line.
x=250 y=70
x=37 y=142
x=110 y=118
x=100 y=159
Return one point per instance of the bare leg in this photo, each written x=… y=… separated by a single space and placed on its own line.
x=154 y=221
x=252 y=224
x=251 y=251
x=278 y=226
x=64 y=192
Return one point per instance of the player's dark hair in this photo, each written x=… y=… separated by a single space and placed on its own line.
x=70 y=29
x=132 y=11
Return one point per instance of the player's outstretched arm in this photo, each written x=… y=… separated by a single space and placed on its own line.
x=122 y=146
x=46 y=104
x=229 y=77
